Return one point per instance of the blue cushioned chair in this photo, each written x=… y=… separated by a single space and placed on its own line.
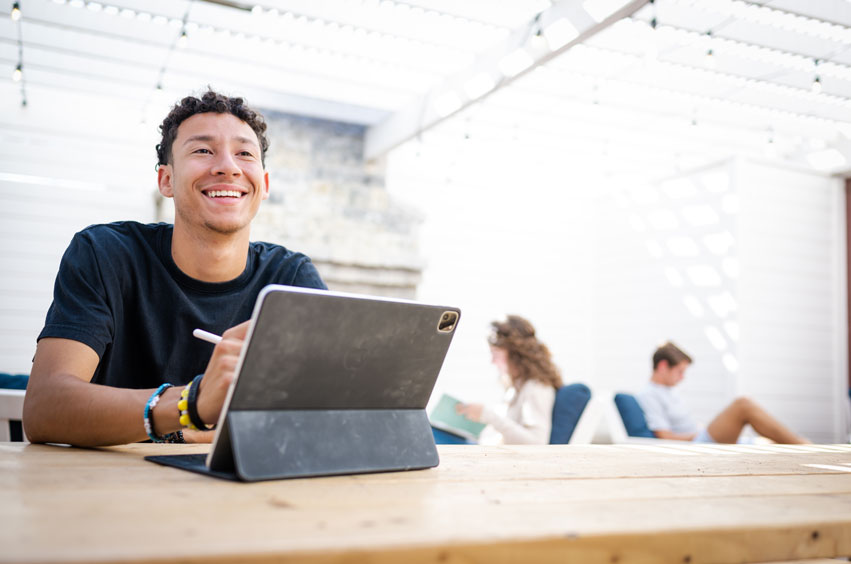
x=11 y=406
x=569 y=404
x=633 y=416
x=567 y=409
x=442 y=437
x=14 y=381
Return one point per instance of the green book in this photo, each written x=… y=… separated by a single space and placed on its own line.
x=444 y=417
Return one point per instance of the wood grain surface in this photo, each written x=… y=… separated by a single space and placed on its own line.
x=591 y=504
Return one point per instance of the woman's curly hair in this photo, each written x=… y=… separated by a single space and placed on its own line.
x=528 y=358
x=210 y=101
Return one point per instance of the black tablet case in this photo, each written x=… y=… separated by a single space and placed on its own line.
x=329 y=384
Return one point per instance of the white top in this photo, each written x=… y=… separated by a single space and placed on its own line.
x=529 y=418
x=665 y=410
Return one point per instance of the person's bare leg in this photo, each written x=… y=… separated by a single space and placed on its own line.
x=728 y=425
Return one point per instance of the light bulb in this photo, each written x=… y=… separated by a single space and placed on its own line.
x=16 y=12
x=651 y=49
x=709 y=60
x=770 y=148
x=183 y=40
x=539 y=42
x=816 y=87
x=17 y=74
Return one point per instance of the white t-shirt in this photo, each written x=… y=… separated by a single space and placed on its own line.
x=665 y=410
x=529 y=418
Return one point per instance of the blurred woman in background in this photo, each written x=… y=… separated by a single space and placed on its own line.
x=526 y=369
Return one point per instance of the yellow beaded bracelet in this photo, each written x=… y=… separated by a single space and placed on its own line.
x=183 y=406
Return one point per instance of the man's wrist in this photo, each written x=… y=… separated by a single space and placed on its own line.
x=157 y=416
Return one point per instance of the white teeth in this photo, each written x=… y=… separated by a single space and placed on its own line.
x=224 y=193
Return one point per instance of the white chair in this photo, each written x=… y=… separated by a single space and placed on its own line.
x=11 y=408
x=588 y=423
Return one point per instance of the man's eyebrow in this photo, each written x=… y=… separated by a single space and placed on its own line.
x=210 y=138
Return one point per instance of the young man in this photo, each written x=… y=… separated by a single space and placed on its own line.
x=668 y=417
x=128 y=296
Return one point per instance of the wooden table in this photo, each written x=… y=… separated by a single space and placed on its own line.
x=588 y=504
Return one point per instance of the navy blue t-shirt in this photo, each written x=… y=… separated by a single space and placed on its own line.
x=119 y=291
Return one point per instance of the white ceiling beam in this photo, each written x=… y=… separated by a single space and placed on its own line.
x=453 y=95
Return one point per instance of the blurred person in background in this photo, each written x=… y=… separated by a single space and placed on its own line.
x=669 y=418
x=526 y=369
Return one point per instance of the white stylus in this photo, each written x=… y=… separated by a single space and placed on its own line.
x=206 y=336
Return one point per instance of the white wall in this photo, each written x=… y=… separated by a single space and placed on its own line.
x=65 y=163
x=791 y=291
x=739 y=263
x=665 y=254
x=501 y=238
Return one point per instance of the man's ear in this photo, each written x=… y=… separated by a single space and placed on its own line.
x=164 y=181
x=664 y=364
x=265 y=185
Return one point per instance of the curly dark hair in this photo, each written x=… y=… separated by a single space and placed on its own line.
x=528 y=358
x=210 y=101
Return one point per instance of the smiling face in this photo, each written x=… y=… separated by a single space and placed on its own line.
x=215 y=174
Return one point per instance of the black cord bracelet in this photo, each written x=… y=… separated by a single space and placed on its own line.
x=192 y=405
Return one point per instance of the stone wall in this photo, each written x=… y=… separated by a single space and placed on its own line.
x=327 y=202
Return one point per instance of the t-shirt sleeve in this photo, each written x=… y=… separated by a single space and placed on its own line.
x=80 y=310
x=654 y=411
x=308 y=277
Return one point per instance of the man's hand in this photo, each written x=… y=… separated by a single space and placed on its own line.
x=472 y=411
x=220 y=373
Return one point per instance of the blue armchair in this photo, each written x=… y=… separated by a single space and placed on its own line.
x=633 y=416
x=571 y=401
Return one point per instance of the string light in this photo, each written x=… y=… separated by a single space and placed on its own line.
x=18 y=73
x=770 y=147
x=750 y=51
x=709 y=59
x=816 y=87
x=439 y=54
x=538 y=41
x=651 y=50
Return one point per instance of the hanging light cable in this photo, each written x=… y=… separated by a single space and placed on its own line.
x=651 y=49
x=538 y=41
x=816 y=86
x=709 y=59
x=18 y=73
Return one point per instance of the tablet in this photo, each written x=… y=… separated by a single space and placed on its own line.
x=329 y=383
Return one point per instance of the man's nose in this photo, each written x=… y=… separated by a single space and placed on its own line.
x=225 y=164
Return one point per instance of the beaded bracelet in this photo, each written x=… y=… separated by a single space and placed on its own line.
x=149 y=408
x=192 y=405
x=183 y=406
x=176 y=437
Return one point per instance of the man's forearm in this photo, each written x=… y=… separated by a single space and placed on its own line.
x=61 y=408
